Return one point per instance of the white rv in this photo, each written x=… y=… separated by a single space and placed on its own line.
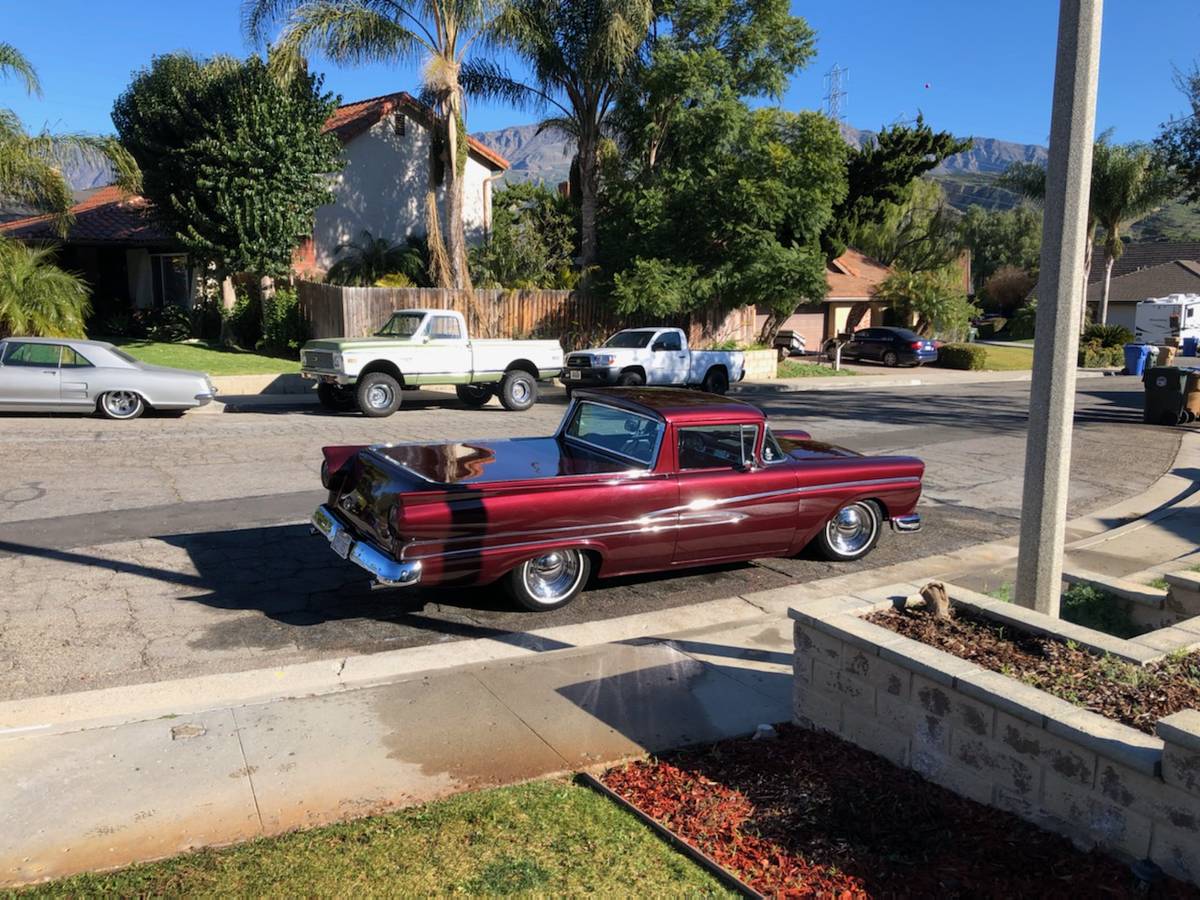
x=1176 y=315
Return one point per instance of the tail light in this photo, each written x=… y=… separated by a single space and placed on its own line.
x=917 y=345
x=336 y=466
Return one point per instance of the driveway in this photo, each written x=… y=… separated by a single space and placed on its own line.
x=165 y=548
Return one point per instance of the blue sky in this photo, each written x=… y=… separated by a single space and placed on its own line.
x=971 y=67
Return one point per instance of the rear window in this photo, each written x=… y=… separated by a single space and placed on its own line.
x=905 y=335
x=616 y=431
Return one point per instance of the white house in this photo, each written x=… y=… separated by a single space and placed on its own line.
x=382 y=187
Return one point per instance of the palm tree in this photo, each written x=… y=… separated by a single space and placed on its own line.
x=368 y=259
x=37 y=297
x=1127 y=183
x=443 y=32
x=578 y=54
x=30 y=165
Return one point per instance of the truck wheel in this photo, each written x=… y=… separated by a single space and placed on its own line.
x=336 y=398
x=851 y=533
x=378 y=395
x=518 y=390
x=630 y=379
x=715 y=381
x=549 y=581
x=474 y=395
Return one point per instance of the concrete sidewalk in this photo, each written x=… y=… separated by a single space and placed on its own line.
x=104 y=779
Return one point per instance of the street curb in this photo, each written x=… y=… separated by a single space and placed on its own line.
x=866 y=382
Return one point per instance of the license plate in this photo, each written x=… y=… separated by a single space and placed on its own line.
x=341 y=544
x=575 y=376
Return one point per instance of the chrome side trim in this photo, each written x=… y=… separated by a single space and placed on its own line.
x=366 y=555
x=906 y=524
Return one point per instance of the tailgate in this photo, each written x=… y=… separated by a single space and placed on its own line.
x=367 y=498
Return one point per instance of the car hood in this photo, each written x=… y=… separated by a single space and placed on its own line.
x=810 y=449
x=341 y=345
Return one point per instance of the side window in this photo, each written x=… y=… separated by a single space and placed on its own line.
x=43 y=355
x=772 y=452
x=716 y=446
x=445 y=328
x=72 y=359
x=671 y=341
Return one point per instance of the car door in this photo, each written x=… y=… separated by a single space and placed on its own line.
x=29 y=376
x=452 y=355
x=730 y=505
x=77 y=379
x=859 y=345
x=669 y=364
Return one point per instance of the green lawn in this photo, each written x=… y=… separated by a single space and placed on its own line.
x=789 y=368
x=205 y=357
x=547 y=838
x=1007 y=359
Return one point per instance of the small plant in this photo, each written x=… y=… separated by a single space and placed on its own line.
x=1091 y=607
x=1107 y=335
x=1003 y=593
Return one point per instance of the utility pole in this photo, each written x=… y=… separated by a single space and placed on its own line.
x=1060 y=299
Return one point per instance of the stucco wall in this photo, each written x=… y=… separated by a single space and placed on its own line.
x=382 y=188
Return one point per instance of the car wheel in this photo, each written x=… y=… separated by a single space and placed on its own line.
x=631 y=379
x=121 y=405
x=336 y=398
x=378 y=395
x=851 y=533
x=518 y=391
x=549 y=581
x=891 y=359
x=474 y=395
x=716 y=381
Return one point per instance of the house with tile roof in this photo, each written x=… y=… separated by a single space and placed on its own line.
x=1178 y=276
x=130 y=258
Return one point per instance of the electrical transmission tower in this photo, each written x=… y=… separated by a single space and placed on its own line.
x=836 y=80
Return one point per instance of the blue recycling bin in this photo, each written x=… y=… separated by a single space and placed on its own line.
x=1189 y=346
x=1136 y=357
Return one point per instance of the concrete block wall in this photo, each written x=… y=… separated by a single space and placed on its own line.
x=1000 y=742
x=761 y=365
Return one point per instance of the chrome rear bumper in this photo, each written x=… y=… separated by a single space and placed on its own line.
x=362 y=553
x=907 y=523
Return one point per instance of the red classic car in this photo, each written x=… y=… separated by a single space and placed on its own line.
x=635 y=480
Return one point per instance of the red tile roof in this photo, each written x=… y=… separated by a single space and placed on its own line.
x=352 y=119
x=854 y=276
x=107 y=215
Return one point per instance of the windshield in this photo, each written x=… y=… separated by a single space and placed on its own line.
x=402 y=325
x=629 y=340
x=616 y=431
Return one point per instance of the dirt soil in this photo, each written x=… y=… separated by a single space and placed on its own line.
x=1137 y=696
x=808 y=815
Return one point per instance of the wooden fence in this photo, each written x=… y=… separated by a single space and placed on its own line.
x=574 y=321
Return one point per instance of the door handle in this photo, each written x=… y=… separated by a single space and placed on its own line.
x=49 y=371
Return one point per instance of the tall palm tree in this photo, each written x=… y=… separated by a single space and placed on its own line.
x=30 y=164
x=578 y=53
x=443 y=33
x=37 y=297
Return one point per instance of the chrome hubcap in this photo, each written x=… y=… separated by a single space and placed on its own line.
x=379 y=396
x=121 y=403
x=851 y=529
x=552 y=577
x=520 y=391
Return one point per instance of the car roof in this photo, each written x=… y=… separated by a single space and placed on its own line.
x=676 y=405
x=72 y=342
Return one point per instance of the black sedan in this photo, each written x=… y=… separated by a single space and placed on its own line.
x=890 y=346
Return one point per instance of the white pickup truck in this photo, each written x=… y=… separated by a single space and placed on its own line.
x=426 y=346
x=653 y=356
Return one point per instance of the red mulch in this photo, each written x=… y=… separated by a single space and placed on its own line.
x=808 y=815
x=1137 y=696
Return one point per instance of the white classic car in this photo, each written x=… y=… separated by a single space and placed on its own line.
x=426 y=346
x=653 y=356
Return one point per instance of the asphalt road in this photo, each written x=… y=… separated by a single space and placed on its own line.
x=163 y=548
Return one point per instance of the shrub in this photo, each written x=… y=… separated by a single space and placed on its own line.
x=989 y=328
x=962 y=356
x=171 y=324
x=245 y=320
x=282 y=326
x=1007 y=289
x=1093 y=355
x=1023 y=323
x=122 y=324
x=1107 y=335
x=395 y=280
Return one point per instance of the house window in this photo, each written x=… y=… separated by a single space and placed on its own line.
x=398 y=124
x=172 y=279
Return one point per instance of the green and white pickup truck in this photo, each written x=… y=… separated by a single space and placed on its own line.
x=426 y=346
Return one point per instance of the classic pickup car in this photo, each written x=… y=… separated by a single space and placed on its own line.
x=658 y=356
x=426 y=346
x=635 y=480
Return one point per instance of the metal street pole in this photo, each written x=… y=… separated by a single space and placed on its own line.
x=1060 y=297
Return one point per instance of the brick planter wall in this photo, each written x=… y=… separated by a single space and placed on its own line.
x=1001 y=742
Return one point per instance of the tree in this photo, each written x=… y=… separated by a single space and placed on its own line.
x=1002 y=238
x=368 y=260
x=532 y=242
x=578 y=54
x=936 y=299
x=1007 y=289
x=1127 y=182
x=353 y=32
x=235 y=162
x=881 y=172
x=918 y=234
x=1179 y=141
x=37 y=297
x=30 y=165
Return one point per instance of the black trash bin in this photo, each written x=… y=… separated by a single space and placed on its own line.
x=1164 y=404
